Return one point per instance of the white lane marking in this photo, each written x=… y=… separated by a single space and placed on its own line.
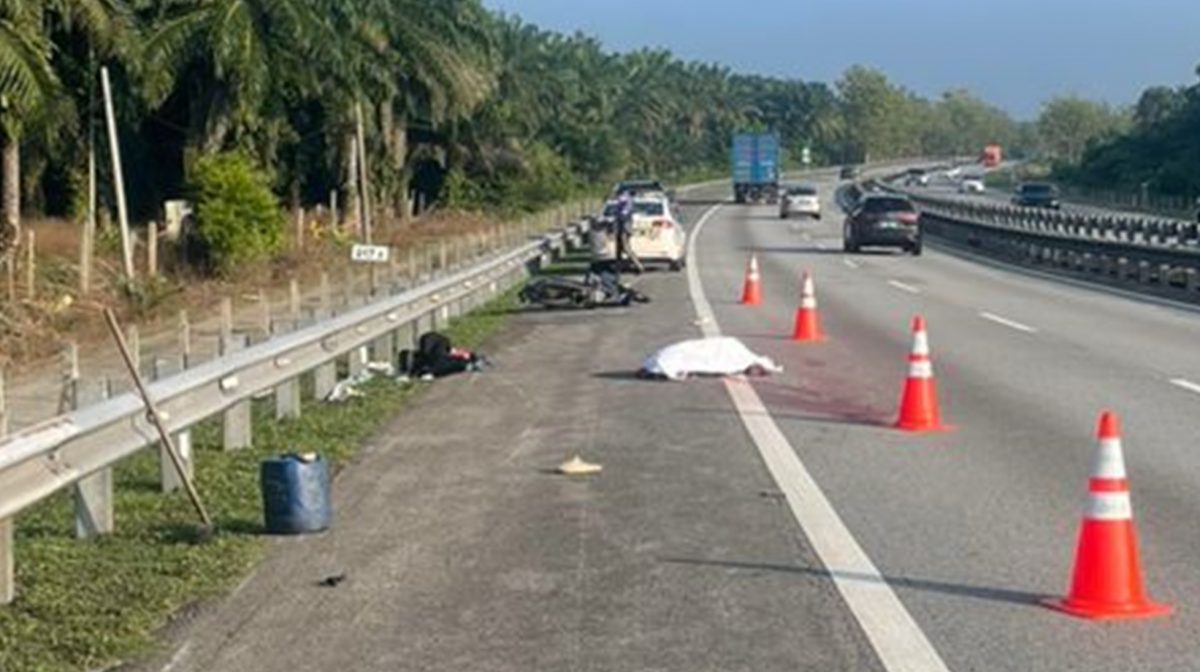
x=1011 y=324
x=1186 y=384
x=895 y=636
x=850 y=263
x=904 y=287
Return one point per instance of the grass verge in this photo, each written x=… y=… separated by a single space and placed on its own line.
x=85 y=605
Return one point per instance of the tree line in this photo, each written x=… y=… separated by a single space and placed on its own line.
x=1155 y=146
x=460 y=105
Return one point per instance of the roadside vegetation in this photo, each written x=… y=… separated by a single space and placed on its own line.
x=85 y=605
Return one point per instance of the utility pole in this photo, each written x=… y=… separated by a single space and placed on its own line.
x=118 y=176
x=364 y=198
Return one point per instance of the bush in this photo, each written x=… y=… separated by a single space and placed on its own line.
x=238 y=219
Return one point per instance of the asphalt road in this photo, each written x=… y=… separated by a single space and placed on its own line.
x=462 y=552
x=971 y=528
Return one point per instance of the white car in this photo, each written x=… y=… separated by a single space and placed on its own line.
x=799 y=200
x=655 y=235
x=971 y=184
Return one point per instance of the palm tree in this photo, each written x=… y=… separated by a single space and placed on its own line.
x=28 y=83
x=232 y=55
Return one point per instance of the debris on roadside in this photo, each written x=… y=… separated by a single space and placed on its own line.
x=436 y=357
x=719 y=356
x=577 y=467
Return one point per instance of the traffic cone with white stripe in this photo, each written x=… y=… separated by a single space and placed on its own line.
x=918 y=403
x=752 y=287
x=808 y=324
x=1107 y=581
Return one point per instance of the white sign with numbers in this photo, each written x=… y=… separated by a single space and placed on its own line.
x=371 y=254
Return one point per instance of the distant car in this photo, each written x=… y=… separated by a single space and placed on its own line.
x=880 y=220
x=849 y=173
x=971 y=184
x=1037 y=195
x=917 y=177
x=799 y=200
x=655 y=234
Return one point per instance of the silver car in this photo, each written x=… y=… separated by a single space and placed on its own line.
x=799 y=200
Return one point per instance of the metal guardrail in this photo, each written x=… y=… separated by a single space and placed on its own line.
x=1154 y=252
x=43 y=459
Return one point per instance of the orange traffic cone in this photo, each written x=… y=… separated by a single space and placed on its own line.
x=808 y=324
x=1107 y=582
x=919 y=404
x=752 y=287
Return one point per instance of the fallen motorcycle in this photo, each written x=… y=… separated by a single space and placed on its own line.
x=595 y=289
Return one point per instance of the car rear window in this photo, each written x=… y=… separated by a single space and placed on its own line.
x=887 y=205
x=802 y=191
x=1036 y=189
x=648 y=208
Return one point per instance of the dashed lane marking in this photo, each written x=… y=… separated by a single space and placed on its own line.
x=1186 y=384
x=904 y=287
x=1011 y=324
x=897 y=639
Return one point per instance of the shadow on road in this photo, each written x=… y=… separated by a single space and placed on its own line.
x=988 y=593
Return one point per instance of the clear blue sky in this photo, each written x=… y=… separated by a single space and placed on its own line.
x=1014 y=53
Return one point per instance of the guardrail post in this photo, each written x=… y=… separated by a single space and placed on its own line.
x=356 y=361
x=325 y=375
x=93 y=495
x=235 y=422
x=168 y=476
x=7 y=587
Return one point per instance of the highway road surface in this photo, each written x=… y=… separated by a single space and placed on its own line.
x=779 y=524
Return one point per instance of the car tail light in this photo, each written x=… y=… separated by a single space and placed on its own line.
x=908 y=217
x=662 y=224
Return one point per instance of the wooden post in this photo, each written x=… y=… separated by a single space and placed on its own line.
x=326 y=296
x=225 y=340
x=264 y=305
x=299 y=228
x=294 y=302
x=118 y=176
x=152 y=250
x=69 y=398
x=87 y=250
x=185 y=340
x=134 y=340
x=7 y=587
x=333 y=209
x=31 y=264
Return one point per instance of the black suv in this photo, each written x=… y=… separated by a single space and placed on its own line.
x=1036 y=195
x=883 y=221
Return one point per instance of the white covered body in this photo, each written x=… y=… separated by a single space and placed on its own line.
x=706 y=357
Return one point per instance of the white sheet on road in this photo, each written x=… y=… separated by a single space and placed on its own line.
x=719 y=356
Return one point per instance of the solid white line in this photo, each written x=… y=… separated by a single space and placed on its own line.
x=904 y=287
x=1011 y=324
x=850 y=263
x=1186 y=384
x=895 y=636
